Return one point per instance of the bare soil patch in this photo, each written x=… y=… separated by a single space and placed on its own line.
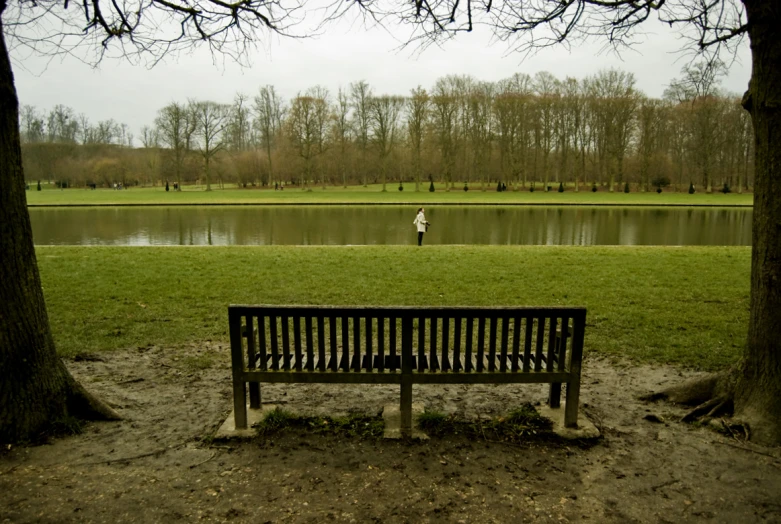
x=160 y=465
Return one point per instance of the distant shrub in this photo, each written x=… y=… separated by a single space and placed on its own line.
x=561 y=187
x=691 y=188
x=466 y=187
x=499 y=187
x=660 y=182
x=626 y=187
x=594 y=188
x=431 y=187
x=726 y=189
x=401 y=186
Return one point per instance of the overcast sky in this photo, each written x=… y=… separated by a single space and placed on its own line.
x=346 y=53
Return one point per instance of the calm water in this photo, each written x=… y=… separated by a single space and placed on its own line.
x=345 y=225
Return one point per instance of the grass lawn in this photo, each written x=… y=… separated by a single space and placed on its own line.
x=686 y=306
x=370 y=195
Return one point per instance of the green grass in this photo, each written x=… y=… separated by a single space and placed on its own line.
x=681 y=305
x=370 y=195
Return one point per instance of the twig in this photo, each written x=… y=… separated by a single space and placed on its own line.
x=9 y=470
x=214 y=454
x=730 y=444
x=127 y=459
x=664 y=484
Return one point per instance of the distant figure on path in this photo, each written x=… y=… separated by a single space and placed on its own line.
x=421 y=224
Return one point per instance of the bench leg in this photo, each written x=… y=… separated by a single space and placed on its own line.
x=554 y=397
x=240 y=404
x=573 y=397
x=406 y=405
x=254 y=395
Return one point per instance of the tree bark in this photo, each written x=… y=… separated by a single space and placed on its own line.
x=758 y=392
x=36 y=389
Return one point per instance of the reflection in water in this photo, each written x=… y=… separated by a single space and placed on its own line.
x=361 y=225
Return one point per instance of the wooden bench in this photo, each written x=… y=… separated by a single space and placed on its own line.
x=406 y=346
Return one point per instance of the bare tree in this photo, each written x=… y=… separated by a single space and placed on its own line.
x=269 y=111
x=418 y=108
x=360 y=94
x=302 y=131
x=172 y=128
x=342 y=130
x=211 y=120
x=384 y=112
x=444 y=118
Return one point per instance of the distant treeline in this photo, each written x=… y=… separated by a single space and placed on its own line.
x=522 y=131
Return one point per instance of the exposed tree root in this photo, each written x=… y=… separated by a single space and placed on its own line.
x=83 y=404
x=712 y=396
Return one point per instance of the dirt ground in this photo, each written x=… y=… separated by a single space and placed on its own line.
x=159 y=464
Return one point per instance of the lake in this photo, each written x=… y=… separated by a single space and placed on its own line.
x=384 y=225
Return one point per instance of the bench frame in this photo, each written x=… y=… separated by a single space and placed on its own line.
x=542 y=357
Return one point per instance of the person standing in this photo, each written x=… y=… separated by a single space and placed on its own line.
x=421 y=224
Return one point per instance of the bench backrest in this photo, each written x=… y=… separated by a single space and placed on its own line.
x=407 y=338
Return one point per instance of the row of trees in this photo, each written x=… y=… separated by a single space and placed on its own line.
x=521 y=130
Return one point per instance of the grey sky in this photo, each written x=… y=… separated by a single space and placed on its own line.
x=343 y=54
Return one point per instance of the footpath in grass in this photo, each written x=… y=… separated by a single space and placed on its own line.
x=196 y=195
x=678 y=305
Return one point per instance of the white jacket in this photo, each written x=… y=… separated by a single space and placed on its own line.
x=420 y=222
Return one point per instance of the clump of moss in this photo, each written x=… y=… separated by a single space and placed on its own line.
x=280 y=420
x=520 y=424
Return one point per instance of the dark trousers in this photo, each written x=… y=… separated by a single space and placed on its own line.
x=420 y=238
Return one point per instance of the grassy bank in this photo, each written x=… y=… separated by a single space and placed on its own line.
x=371 y=195
x=686 y=306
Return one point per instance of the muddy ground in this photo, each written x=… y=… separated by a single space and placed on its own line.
x=160 y=465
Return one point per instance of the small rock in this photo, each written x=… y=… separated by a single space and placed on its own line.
x=653 y=417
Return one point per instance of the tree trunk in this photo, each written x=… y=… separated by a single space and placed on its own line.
x=36 y=389
x=758 y=393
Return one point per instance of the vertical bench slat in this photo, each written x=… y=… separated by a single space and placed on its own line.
x=445 y=344
x=421 y=344
x=332 y=332
x=285 y=344
x=492 y=344
x=503 y=343
x=516 y=342
x=392 y=337
x=262 y=343
x=469 y=339
x=381 y=344
x=433 y=364
x=561 y=354
x=272 y=324
x=551 y=344
x=345 y=363
x=540 y=342
x=320 y=343
x=297 y=342
x=254 y=387
x=356 y=364
x=369 y=353
x=527 y=344
x=310 y=354
x=480 y=343
x=457 y=345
